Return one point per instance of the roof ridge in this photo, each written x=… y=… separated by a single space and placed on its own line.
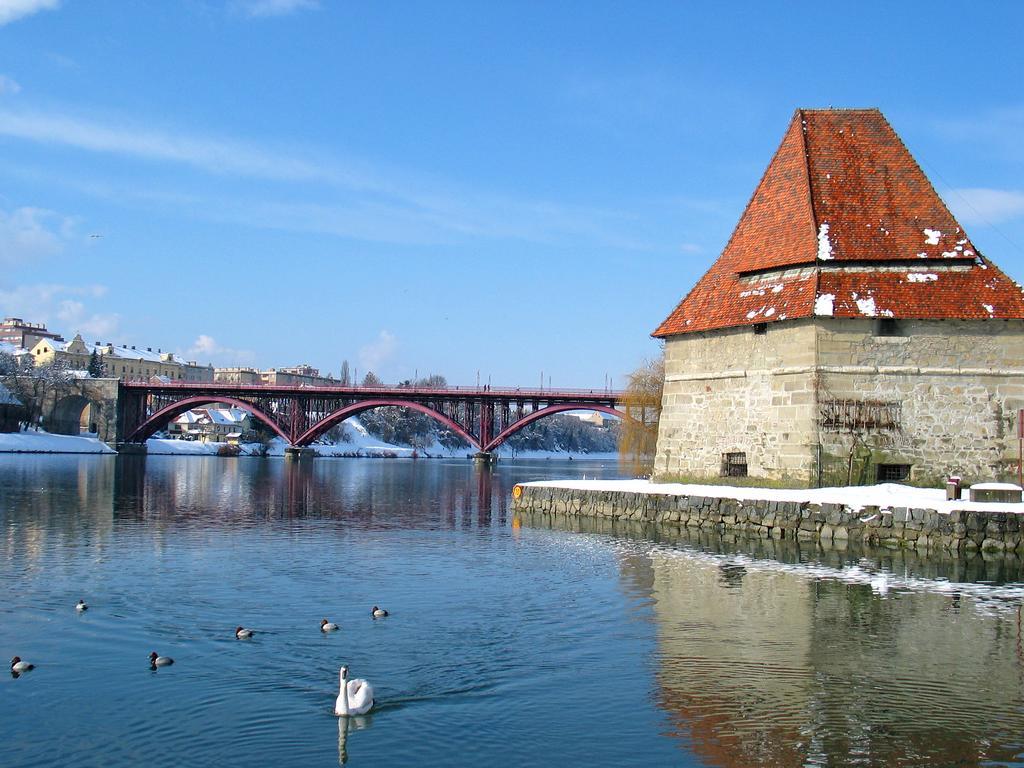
x=815 y=227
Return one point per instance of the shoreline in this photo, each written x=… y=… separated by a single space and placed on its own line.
x=886 y=515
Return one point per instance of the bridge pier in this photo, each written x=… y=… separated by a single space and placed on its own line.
x=295 y=452
x=485 y=457
x=131 y=449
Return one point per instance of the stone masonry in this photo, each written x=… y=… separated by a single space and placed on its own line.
x=897 y=527
x=954 y=387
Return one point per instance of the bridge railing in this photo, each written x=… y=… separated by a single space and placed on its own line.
x=461 y=391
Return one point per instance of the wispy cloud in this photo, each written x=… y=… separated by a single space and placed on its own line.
x=8 y=85
x=263 y=8
x=213 y=155
x=64 y=308
x=11 y=10
x=207 y=349
x=986 y=206
x=348 y=198
x=377 y=352
x=1000 y=130
x=29 y=234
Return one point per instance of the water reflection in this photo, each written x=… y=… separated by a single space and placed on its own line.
x=719 y=651
x=348 y=725
x=781 y=654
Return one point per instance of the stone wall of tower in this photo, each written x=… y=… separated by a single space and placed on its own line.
x=958 y=385
x=733 y=391
x=941 y=397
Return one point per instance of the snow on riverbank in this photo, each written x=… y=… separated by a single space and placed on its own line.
x=884 y=496
x=44 y=442
x=359 y=443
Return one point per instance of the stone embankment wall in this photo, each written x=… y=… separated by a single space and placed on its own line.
x=923 y=529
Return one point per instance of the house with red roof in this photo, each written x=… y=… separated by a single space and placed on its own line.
x=849 y=332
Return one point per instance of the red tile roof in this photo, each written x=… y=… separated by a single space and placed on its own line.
x=845 y=222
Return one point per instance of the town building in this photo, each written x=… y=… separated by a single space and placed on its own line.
x=18 y=333
x=236 y=375
x=295 y=376
x=850 y=331
x=214 y=425
x=120 y=362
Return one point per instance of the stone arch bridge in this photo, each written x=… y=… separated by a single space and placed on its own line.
x=482 y=416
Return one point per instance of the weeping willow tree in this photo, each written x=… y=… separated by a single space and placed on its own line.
x=641 y=404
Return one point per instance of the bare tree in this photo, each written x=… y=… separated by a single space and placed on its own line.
x=31 y=384
x=638 y=436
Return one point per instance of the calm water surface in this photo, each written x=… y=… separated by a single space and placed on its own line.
x=511 y=641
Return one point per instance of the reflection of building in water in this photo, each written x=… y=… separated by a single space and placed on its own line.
x=764 y=667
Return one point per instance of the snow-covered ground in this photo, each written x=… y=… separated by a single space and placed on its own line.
x=884 y=496
x=44 y=442
x=360 y=443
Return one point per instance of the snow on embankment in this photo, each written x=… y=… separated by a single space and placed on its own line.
x=43 y=442
x=889 y=515
x=885 y=496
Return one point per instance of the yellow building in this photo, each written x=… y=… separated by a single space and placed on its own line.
x=119 y=362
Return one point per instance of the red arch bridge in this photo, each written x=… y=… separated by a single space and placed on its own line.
x=483 y=416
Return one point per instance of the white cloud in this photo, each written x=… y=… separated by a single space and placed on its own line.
x=364 y=203
x=979 y=205
x=8 y=85
x=209 y=154
x=260 y=8
x=63 y=308
x=11 y=10
x=29 y=234
x=207 y=349
x=75 y=318
x=377 y=352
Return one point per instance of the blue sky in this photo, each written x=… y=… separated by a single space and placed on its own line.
x=508 y=188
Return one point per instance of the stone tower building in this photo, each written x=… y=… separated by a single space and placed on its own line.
x=849 y=332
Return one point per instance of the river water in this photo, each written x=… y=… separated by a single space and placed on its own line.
x=513 y=642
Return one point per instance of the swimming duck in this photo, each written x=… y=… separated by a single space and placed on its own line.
x=81 y=606
x=18 y=666
x=378 y=613
x=159 y=661
x=355 y=697
x=243 y=634
x=327 y=626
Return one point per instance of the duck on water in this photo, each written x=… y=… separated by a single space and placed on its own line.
x=156 y=660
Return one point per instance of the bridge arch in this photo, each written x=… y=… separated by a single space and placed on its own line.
x=550 y=410
x=66 y=415
x=355 y=409
x=168 y=413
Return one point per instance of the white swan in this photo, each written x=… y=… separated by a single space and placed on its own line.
x=243 y=634
x=159 y=661
x=81 y=606
x=18 y=666
x=355 y=697
x=327 y=626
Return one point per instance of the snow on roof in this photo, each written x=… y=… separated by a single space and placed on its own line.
x=840 y=206
x=128 y=353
